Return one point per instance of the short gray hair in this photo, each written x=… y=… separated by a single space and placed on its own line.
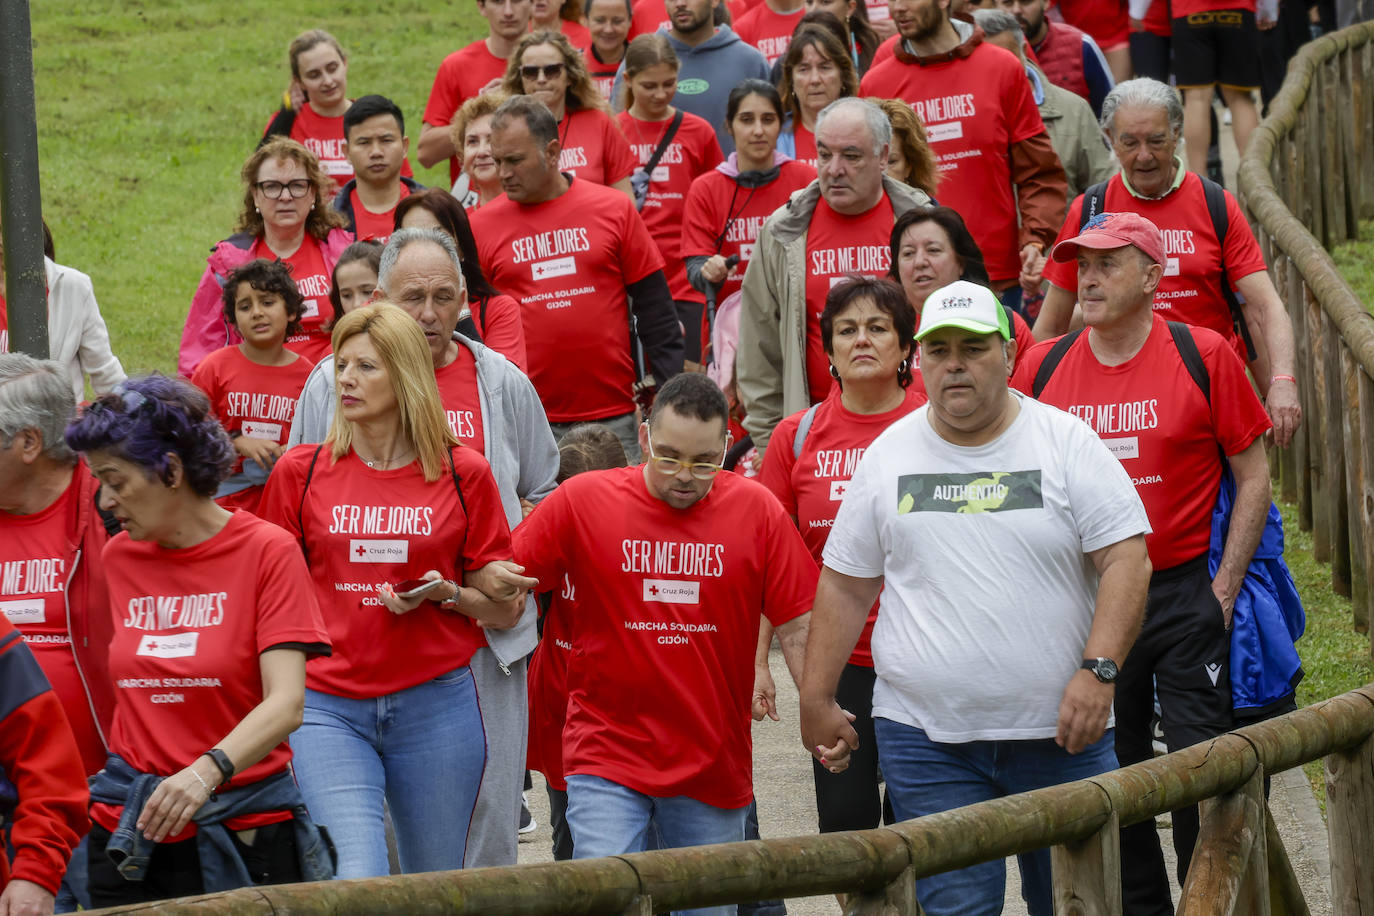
x=995 y=22
x=542 y=125
x=36 y=394
x=876 y=119
x=403 y=237
x=1146 y=93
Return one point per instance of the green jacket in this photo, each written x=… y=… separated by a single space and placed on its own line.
x=770 y=367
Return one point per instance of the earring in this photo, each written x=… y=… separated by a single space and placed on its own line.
x=834 y=373
x=901 y=370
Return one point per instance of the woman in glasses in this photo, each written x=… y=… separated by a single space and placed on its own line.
x=868 y=329
x=285 y=217
x=546 y=66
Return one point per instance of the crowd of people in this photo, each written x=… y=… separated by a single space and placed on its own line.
x=908 y=336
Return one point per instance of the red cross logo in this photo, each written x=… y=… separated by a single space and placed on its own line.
x=362 y=551
x=839 y=488
x=152 y=644
x=653 y=590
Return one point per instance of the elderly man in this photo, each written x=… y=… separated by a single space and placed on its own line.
x=997 y=166
x=838 y=225
x=1170 y=401
x=53 y=587
x=1008 y=547
x=1214 y=274
x=1069 y=120
x=491 y=406
x=585 y=270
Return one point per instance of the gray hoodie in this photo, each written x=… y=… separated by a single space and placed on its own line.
x=706 y=74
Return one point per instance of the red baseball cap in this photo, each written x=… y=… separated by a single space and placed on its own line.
x=1114 y=230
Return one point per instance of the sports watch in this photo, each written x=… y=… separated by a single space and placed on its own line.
x=1104 y=669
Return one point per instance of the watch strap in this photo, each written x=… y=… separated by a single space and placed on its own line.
x=221 y=760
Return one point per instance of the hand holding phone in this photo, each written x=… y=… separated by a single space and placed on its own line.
x=415 y=588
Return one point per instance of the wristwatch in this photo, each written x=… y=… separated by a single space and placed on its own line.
x=451 y=603
x=222 y=761
x=1104 y=669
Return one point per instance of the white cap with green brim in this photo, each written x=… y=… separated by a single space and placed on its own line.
x=967 y=306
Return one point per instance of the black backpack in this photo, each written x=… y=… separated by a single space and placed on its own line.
x=1183 y=340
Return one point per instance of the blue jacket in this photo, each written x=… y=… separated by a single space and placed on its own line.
x=1268 y=617
x=221 y=866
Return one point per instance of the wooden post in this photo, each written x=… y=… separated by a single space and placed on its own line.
x=1352 y=172
x=1285 y=893
x=1087 y=874
x=1363 y=504
x=1313 y=213
x=896 y=899
x=1355 y=473
x=1364 y=121
x=1350 y=829
x=1229 y=871
x=1334 y=419
x=1302 y=452
x=1314 y=412
x=1333 y=172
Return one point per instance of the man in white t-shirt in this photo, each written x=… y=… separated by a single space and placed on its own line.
x=1008 y=546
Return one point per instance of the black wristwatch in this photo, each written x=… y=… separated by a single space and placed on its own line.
x=1104 y=669
x=221 y=760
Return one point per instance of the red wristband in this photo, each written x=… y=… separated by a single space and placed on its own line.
x=1285 y=378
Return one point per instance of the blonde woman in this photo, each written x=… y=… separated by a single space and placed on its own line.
x=547 y=67
x=389 y=498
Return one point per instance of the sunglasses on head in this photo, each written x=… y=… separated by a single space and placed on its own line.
x=532 y=71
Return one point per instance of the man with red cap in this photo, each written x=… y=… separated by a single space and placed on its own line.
x=1173 y=403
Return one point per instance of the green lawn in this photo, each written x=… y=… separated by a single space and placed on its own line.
x=146 y=113
x=1356 y=262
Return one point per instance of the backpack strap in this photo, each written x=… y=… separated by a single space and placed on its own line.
x=281 y=124
x=1192 y=358
x=300 y=507
x=1052 y=361
x=1094 y=200
x=457 y=483
x=803 y=428
x=1215 y=196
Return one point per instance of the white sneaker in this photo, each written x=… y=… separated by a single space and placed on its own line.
x=527 y=822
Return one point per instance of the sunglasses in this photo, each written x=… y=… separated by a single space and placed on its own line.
x=533 y=71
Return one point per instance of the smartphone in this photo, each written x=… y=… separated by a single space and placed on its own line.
x=414 y=588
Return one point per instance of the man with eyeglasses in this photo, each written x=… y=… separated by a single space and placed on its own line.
x=671 y=563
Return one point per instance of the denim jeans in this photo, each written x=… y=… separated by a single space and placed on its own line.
x=925 y=777
x=608 y=819
x=421 y=750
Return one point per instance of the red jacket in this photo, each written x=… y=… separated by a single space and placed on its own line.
x=39 y=757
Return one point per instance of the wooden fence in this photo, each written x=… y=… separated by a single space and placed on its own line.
x=1306 y=181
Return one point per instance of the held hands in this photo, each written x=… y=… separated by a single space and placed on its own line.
x=177 y=798
x=1032 y=268
x=827 y=732
x=501 y=580
x=264 y=451
x=1083 y=711
x=765 y=695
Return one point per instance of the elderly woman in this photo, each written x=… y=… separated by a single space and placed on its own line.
x=285 y=216
x=868 y=330
x=815 y=72
x=546 y=66
x=931 y=248
x=214 y=618
x=479 y=182
x=391 y=497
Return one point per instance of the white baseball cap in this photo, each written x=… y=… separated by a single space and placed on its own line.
x=965 y=305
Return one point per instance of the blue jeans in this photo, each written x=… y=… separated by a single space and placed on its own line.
x=608 y=819
x=421 y=750
x=925 y=777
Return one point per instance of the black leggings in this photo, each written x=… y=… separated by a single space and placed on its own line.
x=851 y=800
x=174 y=868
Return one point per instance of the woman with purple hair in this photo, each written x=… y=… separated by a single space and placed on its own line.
x=214 y=616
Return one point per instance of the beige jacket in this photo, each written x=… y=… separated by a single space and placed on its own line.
x=1075 y=136
x=770 y=368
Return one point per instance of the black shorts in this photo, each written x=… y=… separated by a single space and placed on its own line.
x=1217 y=47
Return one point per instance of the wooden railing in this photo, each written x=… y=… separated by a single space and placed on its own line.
x=1306 y=181
x=1240 y=865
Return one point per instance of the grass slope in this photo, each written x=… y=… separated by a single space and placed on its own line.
x=146 y=112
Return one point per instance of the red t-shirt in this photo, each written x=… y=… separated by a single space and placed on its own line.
x=692 y=151
x=190 y=624
x=603 y=75
x=314 y=348
x=1154 y=418
x=1190 y=290
x=810 y=486
x=1157 y=20
x=4 y=325
x=568 y=261
x=973 y=110
x=720 y=217
x=369 y=226
x=1107 y=21
x=575 y=32
x=548 y=686
x=36 y=561
x=364 y=526
x=649 y=16
x=885 y=50
x=837 y=246
x=768 y=30
x=312 y=281
x=462 y=75
x=462 y=404
x=593 y=148
x=252 y=400
x=1020 y=331
x=666 y=625
x=498 y=321
x=805 y=145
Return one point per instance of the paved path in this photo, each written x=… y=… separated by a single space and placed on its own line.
x=783 y=786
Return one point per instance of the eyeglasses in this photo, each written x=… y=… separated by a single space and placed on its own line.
x=272 y=189
x=701 y=470
x=532 y=71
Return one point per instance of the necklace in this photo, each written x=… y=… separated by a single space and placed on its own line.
x=383 y=464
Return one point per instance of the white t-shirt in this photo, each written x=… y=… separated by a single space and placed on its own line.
x=989 y=594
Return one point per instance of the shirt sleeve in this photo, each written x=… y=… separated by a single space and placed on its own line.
x=855 y=546
x=537 y=542
x=1238 y=416
x=487 y=537
x=288 y=609
x=1241 y=254
x=1065 y=275
x=778 y=463
x=1021 y=332
x=791 y=574
x=619 y=161
x=502 y=328
x=1027 y=364
x=443 y=97
x=639 y=255
x=282 y=494
x=699 y=229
